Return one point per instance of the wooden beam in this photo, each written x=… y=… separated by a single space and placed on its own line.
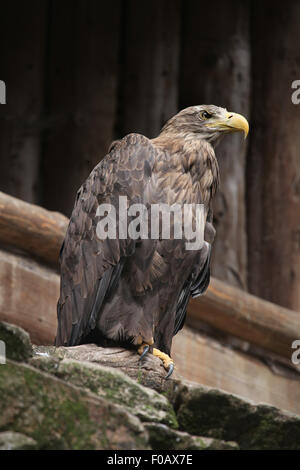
x=245 y=316
x=31 y=228
x=28 y=296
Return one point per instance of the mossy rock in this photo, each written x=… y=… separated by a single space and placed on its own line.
x=221 y=415
x=111 y=384
x=58 y=415
x=17 y=342
x=163 y=438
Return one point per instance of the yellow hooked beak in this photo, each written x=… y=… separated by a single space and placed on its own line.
x=233 y=122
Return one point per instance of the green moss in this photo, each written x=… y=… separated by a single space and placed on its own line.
x=219 y=415
x=60 y=412
x=59 y=416
x=17 y=342
x=114 y=386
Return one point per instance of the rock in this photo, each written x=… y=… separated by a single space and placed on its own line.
x=16 y=441
x=17 y=342
x=58 y=415
x=163 y=438
x=88 y=397
x=214 y=413
x=111 y=384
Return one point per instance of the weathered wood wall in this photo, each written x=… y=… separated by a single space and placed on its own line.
x=22 y=67
x=81 y=95
x=81 y=73
x=148 y=89
x=216 y=69
x=273 y=173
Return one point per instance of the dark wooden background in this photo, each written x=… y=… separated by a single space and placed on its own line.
x=80 y=73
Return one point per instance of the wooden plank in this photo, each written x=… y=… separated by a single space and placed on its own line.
x=215 y=69
x=245 y=316
x=22 y=44
x=150 y=62
x=81 y=94
x=273 y=162
x=31 y=228
x=206 y=361
x=28 y=296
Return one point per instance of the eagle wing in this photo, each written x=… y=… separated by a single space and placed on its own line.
x=198 y=281
x=91 y=267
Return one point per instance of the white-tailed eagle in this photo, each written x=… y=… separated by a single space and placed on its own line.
x=135 y=292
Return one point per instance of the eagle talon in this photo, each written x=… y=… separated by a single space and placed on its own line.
x=145 y=351
x=170 y=370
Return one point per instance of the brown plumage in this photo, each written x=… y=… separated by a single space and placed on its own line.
x=134 y=292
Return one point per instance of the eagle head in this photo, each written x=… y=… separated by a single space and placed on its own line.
x=206 y=122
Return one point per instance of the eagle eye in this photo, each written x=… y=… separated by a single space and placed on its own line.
x=205 y=115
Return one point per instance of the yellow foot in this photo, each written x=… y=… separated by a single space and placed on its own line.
x=167 y=361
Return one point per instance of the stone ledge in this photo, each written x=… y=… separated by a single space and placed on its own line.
x=87 y=397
